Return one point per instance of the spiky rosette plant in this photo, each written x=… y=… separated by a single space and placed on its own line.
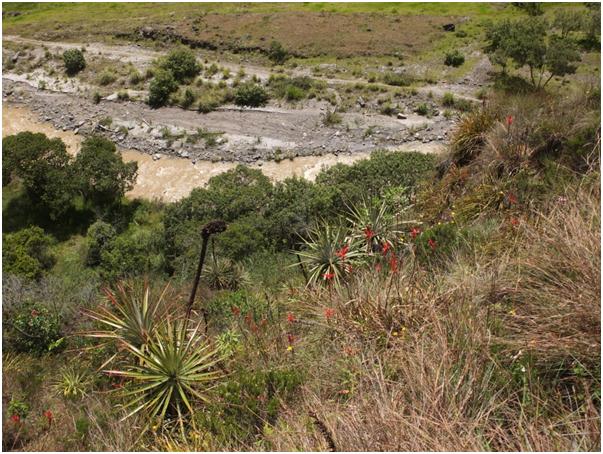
x=133 y=314
x=176 y=368
x=328 y=254
x=223 y=274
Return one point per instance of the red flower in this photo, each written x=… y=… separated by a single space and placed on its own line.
x=432 y=244
x=378 y=267
x=515 y=222
x=290 y=339
x=385 y=248
x=34 y=313
x=368 y=233
x=48 y=415
x=414 y=232
x=235 y=311
x=509 y=120
x=16 y=418
x=512 y=199
x=329 y=313
x=290 y=317
x=328 y=276
x=393 y=264
x=341 y=253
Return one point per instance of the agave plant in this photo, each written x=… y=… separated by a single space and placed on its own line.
x=328 y=254
x=176 y=367
x=133 y=315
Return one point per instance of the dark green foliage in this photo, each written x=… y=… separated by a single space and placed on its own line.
x=370 y=177
x=277 y=53
x=99 y=237
x=527 y=42
x=454 y=58
x=530 y=8
x=228 y=308
x=27 y=253
x=291 y=88
x=35 y=329
x=74 y=61
x=249 y=401
x=438 y=242
x=161 y=87
x=251 y=95
x=103 y=177
x=43 y=166
x=397 y=79
x=182 y=64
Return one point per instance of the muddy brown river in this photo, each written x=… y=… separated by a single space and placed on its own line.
x=171 y=178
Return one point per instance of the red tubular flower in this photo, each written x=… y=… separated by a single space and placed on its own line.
x=385 y=248
x=341 y=253
x=290 y=339
x=290 y=317
x=414 y=232
x=512 y=199
x=48 y=415
x=393 y=264
x=515 y=222
x=328 y=276
x=34 y=313
x=329 y=313
x=432 y=244
x=509 y=120
x=235 y=311
x=368 y=233
x=16 y=418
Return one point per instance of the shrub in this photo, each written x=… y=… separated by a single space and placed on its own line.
x=188 y=98
x=161 y=87
x=99 y=236
x=106 y=77
x=294 y=93
x=74 y=61
x=277 y=53
x=448 y=99
x=422 y=109
x=454 y=58
x=27 y=253
x=96 y=97
x=250 y=94
x=397 y=79
x=331 y=117
x=35 y=329
x=182 y=63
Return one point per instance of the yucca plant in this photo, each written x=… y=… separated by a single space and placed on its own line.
x=133 y=315
x=373 y=224
x=329 y=254
x=175 y=368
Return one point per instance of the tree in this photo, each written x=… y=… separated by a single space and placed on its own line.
x=182 y=64
x=530 y=8
x=102 y=176
x=161 y=87
x=44 y=168
x=527 y=43
x=251 y=94
x=27 y=253
x=99 y=236
x=568 y=21
x=74 y=61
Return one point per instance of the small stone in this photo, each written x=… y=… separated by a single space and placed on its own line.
x=156 y=157
x=401 y=116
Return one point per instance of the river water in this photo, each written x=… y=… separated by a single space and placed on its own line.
x=171 y=178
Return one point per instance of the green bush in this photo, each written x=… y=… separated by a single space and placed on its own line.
x=99 y=236
x=106 y=77
x=161 y=87
x=251 y=95
x=27 y=253
x=74 y=61
x=36 y=330
x=397 y=79
x=182 y=63
x=454 y=58
x=448 y=99
x=277 y=53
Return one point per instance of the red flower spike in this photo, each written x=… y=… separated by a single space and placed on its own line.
x=393 y=264
x=328 y=276
x=368 y=233
x=512 y=198
x=515 y=222
x=329 y=313
x=432 y=244
x=378 y=267
x=341 y=253
x=385 y=248
x=290 y=339
x=16 y=418
x=34 y=313
x=48 y=415
x=414 y=232
x=235 y=311
x=290 y=317
x=509 y=120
